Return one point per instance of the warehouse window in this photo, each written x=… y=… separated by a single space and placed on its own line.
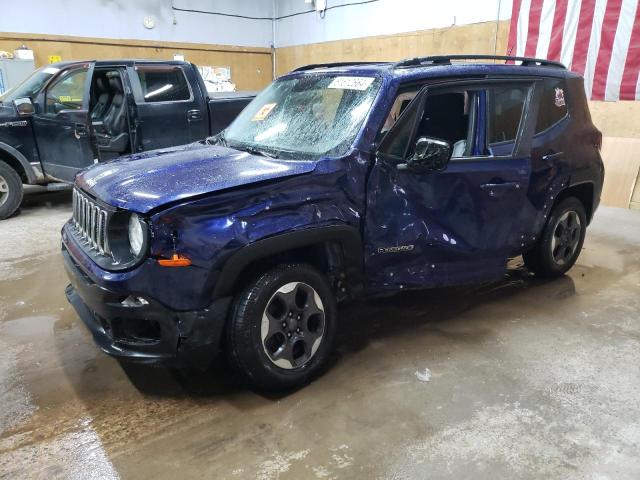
x=67 y=93
x=553 y=107
x=161 y=84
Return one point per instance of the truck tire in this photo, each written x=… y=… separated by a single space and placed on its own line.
x=561 y=241
x=10 y=190
x=282 y=328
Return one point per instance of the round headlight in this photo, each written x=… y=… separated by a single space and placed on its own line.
x=136 y=234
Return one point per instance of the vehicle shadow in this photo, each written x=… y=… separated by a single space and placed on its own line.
x=360 y=324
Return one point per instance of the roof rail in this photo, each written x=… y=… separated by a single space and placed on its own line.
x=335 y=64
x=446 y=60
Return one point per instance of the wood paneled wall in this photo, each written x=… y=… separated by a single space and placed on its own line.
x=251 y=68
x=474 y=38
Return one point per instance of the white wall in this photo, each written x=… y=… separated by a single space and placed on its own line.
x=383 y=17
x=123 y=19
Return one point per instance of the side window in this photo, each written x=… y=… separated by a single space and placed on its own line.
x=504 y=112
x=396 y=142
x=401 y=102
x=446 y=116
x=163 y=84
x=67 y=93
x=553 y=107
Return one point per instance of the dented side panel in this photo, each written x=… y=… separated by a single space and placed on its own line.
x=425 y=230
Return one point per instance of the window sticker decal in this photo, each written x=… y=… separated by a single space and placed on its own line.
x=263 y=112
x=559 y=101
x=351 y=83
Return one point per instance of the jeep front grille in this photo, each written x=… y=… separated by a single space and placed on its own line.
x=91 y=221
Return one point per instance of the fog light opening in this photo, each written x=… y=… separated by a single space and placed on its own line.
x=132 y=301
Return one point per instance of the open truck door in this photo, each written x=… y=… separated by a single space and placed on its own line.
x=62 y=125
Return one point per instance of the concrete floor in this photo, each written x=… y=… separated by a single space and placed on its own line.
x=529 y=379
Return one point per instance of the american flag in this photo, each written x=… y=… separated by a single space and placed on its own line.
x=599 y=39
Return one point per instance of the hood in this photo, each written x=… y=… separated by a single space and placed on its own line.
x=145 y=181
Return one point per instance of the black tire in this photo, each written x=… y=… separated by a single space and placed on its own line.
x=559 y=246
x=10 y=190
x=255 y=359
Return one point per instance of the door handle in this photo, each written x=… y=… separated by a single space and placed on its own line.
x=194 y=115
x=80 y=130
x=497 y=189
x=552 y=156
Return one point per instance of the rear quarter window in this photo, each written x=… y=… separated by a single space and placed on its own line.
x=553 y=104
x=163 y=84
x=505 y=111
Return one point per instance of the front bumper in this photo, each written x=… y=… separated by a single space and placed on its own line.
x=144 y=331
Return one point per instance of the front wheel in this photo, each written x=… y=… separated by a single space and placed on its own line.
x=561 y=241
x=10 y=190
x=282 y=328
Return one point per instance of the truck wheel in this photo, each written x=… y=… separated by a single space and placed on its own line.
x=10 y=190
x=282 y=328
x=561 y=241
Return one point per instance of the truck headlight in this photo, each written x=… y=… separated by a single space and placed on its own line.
x=136 y=234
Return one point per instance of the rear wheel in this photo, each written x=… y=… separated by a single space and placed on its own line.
x=10 y=190
x=561 y=240
x=281 y=330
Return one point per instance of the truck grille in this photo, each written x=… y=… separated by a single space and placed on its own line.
x=90 y=220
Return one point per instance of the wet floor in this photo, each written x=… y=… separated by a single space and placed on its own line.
x=525 y=379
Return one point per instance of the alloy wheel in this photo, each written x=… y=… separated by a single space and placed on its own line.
x=4 y=190
x=293 y=325
x=566 y=237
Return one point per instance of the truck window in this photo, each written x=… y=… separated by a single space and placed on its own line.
x=67 y=92
x=505 y=107
x=553 y=107
x=163 y=84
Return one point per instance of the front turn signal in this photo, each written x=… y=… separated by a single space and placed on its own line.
x=176 y=260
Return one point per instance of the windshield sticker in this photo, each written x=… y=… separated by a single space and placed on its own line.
x=351 y=83
x=51 y=70
x=559 y=97
x=263 y=112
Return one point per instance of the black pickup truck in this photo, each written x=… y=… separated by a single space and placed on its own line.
x=69 y=115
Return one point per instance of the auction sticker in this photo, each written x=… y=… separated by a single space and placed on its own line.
x=351 y=83
x=263 y=112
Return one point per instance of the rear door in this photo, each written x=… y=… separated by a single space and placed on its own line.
x=171 y=109
x=62 y=125
x=458 y=225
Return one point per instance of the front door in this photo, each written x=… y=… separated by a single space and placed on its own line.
x=171 y=108
x=61 y=124
x=458 y=225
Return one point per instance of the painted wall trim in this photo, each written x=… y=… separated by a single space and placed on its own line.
x=133 y=43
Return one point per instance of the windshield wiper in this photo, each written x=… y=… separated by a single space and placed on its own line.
x=257 y=151
x=218 y=139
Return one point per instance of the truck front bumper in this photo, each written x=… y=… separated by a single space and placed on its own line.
x=139 y=328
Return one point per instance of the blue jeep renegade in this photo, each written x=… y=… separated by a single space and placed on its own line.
x=338 y=181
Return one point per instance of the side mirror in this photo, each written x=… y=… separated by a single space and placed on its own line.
x=24 y=106
x=430 y=154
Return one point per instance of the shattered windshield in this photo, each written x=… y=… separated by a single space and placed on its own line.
x=311 y=114
x=30 y=86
